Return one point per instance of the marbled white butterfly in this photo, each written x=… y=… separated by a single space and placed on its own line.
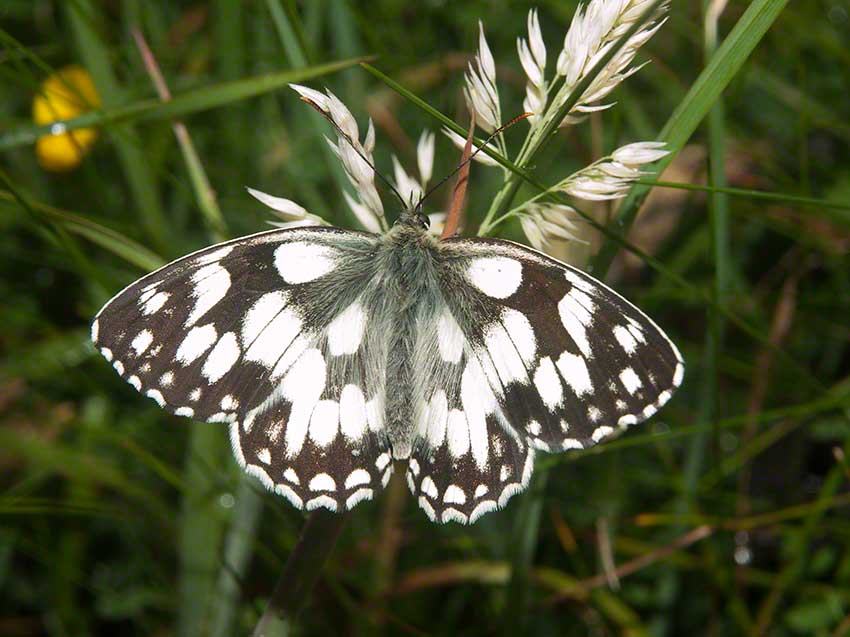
x=331 y=353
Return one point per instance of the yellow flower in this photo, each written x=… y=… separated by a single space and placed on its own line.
x=67 y=93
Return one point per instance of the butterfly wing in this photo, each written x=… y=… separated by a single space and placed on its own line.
x=562 y=360
x=467 y=459
x=265 y=333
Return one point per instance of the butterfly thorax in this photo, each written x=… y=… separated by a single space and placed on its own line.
x=409 y=291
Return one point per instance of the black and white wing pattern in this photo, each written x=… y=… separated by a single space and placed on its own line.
x=256 y=332
x=526 y=353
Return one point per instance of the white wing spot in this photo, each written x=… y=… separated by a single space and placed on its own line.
x=504 y=355
x=269 y=329
x=548 y=383
x=678 y=375
x=457 y=431
x=600 y=432
x=106 y=353
x=188 y=412
x=290 y=475
x=449 y=337
x=154 y=303
x=414 y=466
x=288 y=493
x=631 y=381
x=454 y=495
x=167 y=379
x=481 y=490
x=95 y=330
x=195 y=395
x=534 y=428
x=484 y=507
x=357 y=497
x=504 y=473
x=521 y=333
x=593 y=414
x=576 y=319
x=579 y=282
x=436 y=416
x=324 y=423
x=298 y=346
x=374 y=413
x=625 y=338
x=574 y=371
x=497 y=277
x=142 y=341
x=625 y=421
x=211 y=285
x=478 y=401
x=322 y=501
x=346 y=331
x=135 y=382
x=356 y=478
x=119 y=367
x=453 y=515
x=157 y=396
x=229 y=403
x=197 y=341
x=322 y=482
x=264 y=456
x=508 y=492
x=214 y=256
x=301 y=262
x=352 y=412
x=302 y=386
x=426 y=506
x=429 y=488
x=223 y=356
x=382 y=461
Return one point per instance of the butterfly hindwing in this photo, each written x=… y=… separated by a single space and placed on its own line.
x=258 y=332
x=467 y=460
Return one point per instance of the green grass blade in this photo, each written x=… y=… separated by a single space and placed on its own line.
x=127 y=143
x=116 y=243
x=183 y=104
x=718 y=73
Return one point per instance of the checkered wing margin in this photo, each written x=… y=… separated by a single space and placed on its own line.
x=530 y=354
x=257 y=333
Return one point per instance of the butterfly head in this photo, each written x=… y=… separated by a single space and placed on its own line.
x=412 y=216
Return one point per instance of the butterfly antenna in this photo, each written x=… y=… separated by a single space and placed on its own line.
x=354 y=147
x=477 y=150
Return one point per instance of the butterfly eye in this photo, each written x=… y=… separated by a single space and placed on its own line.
x=425 y=220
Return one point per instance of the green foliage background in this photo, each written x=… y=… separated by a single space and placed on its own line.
x=725 y=515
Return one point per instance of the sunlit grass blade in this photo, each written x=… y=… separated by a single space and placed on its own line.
x=192 y=101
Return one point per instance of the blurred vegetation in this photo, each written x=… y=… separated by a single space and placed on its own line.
x=724 y=515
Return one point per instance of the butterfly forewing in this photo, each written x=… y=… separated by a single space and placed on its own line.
x=262 y=332
x=570 y=361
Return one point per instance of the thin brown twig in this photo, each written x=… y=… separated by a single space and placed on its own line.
x=638 y=563
x=606 y=553
x=459 y=192
x=499 y=572
x=203 y=188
